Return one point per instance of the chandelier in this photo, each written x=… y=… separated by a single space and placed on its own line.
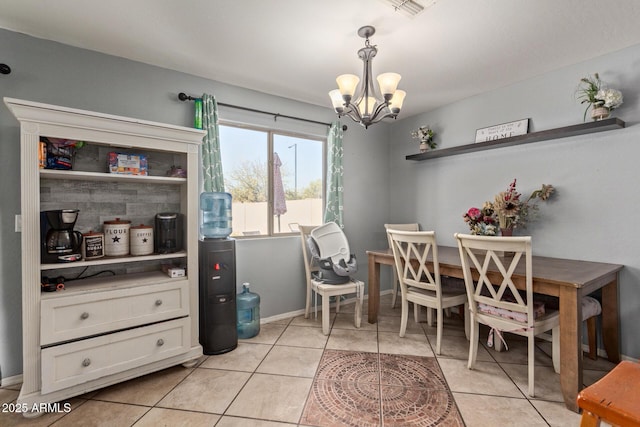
x=367 y=105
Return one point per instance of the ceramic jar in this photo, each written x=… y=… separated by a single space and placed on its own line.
x=141 y=240
x=116 y=237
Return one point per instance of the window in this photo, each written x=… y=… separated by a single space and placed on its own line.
x=275 y=178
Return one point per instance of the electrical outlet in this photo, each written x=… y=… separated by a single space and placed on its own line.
x=18 y=223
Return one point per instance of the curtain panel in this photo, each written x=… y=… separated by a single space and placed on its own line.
x=211 y=158
x=334 y=197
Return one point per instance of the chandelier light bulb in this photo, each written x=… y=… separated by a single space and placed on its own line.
x=347 y=84
x=336 y=100
x=388 y=83
x=396 y=101
x=366 y=108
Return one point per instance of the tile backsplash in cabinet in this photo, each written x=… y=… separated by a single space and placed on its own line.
x=100 y=201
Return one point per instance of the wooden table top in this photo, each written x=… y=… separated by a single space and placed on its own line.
x=560 y=271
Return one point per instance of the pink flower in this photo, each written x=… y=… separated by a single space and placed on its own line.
x=474 y=213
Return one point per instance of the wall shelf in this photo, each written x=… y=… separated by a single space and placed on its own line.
x=563 y=132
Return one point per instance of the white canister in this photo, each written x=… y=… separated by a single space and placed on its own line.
x=116 y=237
x=141 y=240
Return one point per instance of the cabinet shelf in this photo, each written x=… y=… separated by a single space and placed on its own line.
x=563 y=132
x=99 y=176
x=112 y=260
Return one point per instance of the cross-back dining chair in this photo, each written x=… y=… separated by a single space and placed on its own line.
x=326 y=291
x=415 y=255
x=401 y=227
x=494 y=299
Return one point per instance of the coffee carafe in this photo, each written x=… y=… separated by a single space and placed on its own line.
x=62 y=243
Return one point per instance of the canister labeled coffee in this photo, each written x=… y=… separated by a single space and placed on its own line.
x=116 y=237
x=141 y=240
x=92 y=245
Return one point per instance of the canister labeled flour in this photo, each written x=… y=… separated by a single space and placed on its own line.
x=92 y=245
x=141 y=240
x=116 y=237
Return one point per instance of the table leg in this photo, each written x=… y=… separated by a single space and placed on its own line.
x=610 y=326
x=570 y=346
x=374 y=289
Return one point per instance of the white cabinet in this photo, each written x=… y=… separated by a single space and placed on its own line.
x=107 y=328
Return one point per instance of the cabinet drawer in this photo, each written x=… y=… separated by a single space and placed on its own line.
x=75 y=363
x=66 y=318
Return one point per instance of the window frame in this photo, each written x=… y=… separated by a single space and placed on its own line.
x=270 y=181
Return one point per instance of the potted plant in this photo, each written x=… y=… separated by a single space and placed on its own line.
x=593 y=92
x=424 y=134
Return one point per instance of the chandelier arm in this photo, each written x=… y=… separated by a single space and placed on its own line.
x=354 y=115
x=383 y=116
x=380 y=108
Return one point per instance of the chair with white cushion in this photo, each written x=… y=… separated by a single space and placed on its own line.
x=326 y=291
x=401 y=227
x=494 y=299
x=416 y=257
x=591 y=309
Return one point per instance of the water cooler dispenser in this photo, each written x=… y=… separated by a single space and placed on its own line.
x=217 y=281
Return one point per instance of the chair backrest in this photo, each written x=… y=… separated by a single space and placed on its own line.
x=305 y=231
x=402 y=227
x=414 y=252
x=493 y=284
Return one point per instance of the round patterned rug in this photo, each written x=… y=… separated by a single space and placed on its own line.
x=367 y=389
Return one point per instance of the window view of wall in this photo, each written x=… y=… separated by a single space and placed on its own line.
x=276 y=179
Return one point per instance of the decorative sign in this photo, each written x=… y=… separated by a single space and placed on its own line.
x=505 y=130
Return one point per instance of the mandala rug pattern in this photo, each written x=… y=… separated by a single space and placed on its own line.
x=370 y=389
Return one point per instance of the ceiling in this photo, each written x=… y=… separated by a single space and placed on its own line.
x=453 y=49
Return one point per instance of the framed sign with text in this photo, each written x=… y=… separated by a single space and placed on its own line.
x=505 y=130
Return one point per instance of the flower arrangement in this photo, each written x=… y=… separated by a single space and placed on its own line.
x=593 y=92
x=507 y=211
x=425 y=135
x=481 y=221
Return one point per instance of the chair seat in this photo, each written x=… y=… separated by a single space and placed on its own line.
x=446 y=294
x=538 y=311
x=328 y=288
x=590 y=307
x=615 y=398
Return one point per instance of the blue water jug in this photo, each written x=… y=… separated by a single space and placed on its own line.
x=215 y=215
x=248 y=306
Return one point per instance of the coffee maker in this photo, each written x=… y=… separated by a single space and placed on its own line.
x=61 y=242
x=168 y=233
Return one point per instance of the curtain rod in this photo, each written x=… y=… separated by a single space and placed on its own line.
x=184 y=97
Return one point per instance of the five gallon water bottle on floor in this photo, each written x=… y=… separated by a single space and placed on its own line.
x=248 y=304
x=215 y=215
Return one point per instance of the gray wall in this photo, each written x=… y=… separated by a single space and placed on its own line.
x=53 y=73
x=595 y=211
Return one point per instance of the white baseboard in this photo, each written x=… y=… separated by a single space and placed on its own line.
x=300 y=312
x=7 y=381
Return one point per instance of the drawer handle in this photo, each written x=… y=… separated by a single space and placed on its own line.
x=158 y=302
x=160 y=342
x=84 y=315
x=86 y=362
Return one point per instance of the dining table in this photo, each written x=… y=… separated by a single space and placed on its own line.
x=567 y=279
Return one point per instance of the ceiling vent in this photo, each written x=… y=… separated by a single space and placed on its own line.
x=409 y=7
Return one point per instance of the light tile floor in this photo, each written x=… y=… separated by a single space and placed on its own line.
x=266 y=380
